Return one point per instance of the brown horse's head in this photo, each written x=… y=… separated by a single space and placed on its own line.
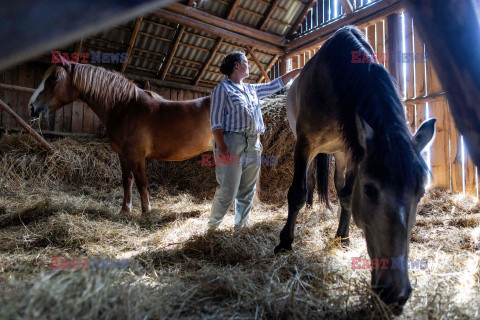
x=55 y=90
x=385 y=208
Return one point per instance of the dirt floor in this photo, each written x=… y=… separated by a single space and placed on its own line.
x=67 y=206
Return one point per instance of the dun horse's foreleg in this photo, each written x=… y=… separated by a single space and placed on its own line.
x=344 y=180
x=311 y=181
x=140 y=174
x=297 y=194
x=127 y=181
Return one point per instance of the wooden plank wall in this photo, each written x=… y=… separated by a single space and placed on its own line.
x=75 y=117
x=416 y=77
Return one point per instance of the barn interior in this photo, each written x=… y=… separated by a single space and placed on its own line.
x=61 y=191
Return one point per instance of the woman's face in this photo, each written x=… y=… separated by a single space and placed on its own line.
x=242 y=68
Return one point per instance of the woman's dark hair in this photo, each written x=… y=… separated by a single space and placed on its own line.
x=229 y=61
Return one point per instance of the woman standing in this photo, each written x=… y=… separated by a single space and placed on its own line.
x=236 y=121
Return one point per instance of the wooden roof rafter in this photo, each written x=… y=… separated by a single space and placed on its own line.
x=213 y=52
x=176 y=42
x=231 y=9
x=260 y=67
x=270 y=65
x=300 y=18
x=268 y=14
x=131 y=43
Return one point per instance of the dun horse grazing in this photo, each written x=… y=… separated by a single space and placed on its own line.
x=140 y=124
x=353 y=111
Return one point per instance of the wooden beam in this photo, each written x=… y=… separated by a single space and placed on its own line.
x=313 y=39
x=209 y=60
x=265 y=75
x=178 y=37
x=218 y=22
x=300 y=18
x=169 y=84
x=267 y=14
x=26 y=126
x=430 y=98
x=131 y=43
x=270 y=65
x=347 y=6
x=231 y=10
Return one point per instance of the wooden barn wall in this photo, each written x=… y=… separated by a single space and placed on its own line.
x=451 y=166
x=75 y=117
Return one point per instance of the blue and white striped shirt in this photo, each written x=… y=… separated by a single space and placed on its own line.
x=233 y=109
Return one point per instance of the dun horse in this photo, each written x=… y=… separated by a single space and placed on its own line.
x=140 y=124
x=353 y=111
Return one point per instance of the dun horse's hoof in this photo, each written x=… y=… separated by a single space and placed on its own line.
x=344 y=243
x=281 y=248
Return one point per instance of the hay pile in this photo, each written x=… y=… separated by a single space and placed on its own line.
x=66 y=205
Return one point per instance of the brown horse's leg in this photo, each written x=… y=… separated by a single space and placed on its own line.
x=344 y=180
x=311 y=181
x=297 y=194
x=127 y=181
x=140 y=174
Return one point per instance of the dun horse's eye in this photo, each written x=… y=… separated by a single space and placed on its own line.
x=371 y=191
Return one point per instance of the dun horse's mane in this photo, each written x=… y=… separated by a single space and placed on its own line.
x=103 y=85
x=367 y=89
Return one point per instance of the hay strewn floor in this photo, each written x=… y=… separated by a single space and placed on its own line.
x=68 y=205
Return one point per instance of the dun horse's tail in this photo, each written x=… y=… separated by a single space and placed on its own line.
x=323 y=175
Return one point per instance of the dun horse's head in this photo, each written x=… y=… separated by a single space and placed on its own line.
x=386 y=210
x=55 y=90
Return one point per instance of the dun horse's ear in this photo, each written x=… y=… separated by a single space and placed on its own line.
x=365 y=132
x=424 y=134
x=66 y=64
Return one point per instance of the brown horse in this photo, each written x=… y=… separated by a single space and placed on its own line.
x=140 y=124
x=353 y=111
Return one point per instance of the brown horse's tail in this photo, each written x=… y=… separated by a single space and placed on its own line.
x=323 y=177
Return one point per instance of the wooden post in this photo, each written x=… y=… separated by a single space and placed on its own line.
x=26 y=126
x=420 y=87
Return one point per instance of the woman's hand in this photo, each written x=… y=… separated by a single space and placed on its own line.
x=291 y=75
x=224 y=152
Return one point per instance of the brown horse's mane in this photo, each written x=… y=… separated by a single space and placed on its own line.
x=103 y=85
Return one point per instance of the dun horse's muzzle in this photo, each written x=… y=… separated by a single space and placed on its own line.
x=36 y=111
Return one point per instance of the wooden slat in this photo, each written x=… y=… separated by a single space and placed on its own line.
x=77 y=116
x=180 y=95
x=188 y=95
x=67 y=117
x=88 y=119
x=174 y=94
x=131 y=42
x=440 y=146
x=371 y=32
x=380 y=49
x=25 y=79
x=470 y=176
x=409 y=58
x=456 y=175
x=175 y=44
x=420 y=86
x=411 y=117
x=58 y=122
x=11 y=98
x=433 y=84
x=347 y=6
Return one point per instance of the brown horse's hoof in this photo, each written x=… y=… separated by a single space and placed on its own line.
x=282 y=248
